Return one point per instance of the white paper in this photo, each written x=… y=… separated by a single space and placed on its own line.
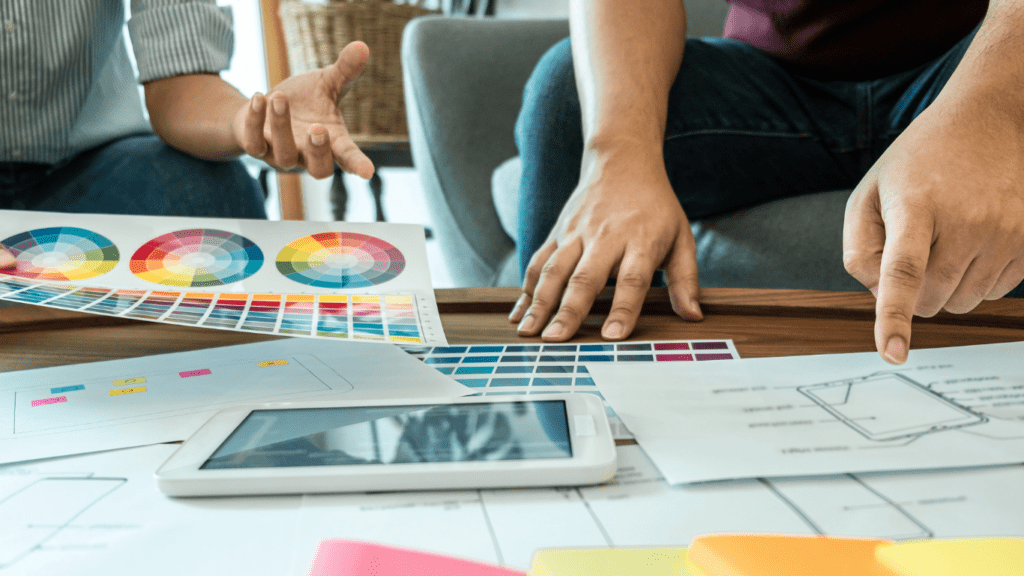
x=121 y=403
x=493 y=369
x=102 y=514
x=825 y=414
x=639 y=509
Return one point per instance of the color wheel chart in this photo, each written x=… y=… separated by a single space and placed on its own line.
x=340 y=260
x=507 y=369
x=357 y=281
x=197 y=258
x=62 y=253
x=393 y=318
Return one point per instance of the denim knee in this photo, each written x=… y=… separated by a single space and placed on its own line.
x=551 y=109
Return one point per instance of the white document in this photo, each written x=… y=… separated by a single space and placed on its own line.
x=102 y=514
x=639 y=509
x=121 y=403
x=828 y=414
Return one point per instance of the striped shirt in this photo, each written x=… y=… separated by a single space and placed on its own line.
x=66 y=82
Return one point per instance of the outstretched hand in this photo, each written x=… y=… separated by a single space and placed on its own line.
x=298 y=124
x=620 y=223
x=938 y=221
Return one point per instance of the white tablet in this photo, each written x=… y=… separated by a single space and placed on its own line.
x=424 y=444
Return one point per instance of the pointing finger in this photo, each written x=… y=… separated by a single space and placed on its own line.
x=903 y=266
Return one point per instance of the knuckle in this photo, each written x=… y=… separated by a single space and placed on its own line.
x=634 y=280
x=896 y=314
x=571 y=313
x=624 y=310
x=585 y=280
x=905 y=270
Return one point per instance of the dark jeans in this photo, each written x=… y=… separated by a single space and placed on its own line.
x=133 y=175
x=741 y=130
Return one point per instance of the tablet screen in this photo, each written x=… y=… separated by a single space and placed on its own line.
x=396 y=435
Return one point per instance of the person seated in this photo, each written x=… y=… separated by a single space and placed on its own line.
x=628 y=128
x=73 y=137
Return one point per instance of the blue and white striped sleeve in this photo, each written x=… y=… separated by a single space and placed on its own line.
x=174 y=37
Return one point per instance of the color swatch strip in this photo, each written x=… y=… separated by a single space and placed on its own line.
x=506 y=369
x=368 y=317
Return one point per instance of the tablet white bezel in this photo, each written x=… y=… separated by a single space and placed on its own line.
x=592 y=460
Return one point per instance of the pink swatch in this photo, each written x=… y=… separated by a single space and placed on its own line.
x=46 y=401
x=353 y=558
x=192 y=373
x=671 y=346
x=674 y=357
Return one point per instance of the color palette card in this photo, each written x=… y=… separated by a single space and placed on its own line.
x=325 y=279
x=517 y=368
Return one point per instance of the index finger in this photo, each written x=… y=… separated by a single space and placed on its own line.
x=904 y=261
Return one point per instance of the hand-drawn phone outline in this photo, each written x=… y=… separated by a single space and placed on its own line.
x=972 y=417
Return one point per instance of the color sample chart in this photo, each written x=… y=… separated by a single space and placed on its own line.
x=197 y=258
x=61 y=253
x=340 y=260
x=507 y=369
x=368 y=317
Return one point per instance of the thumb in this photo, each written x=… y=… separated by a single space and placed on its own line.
x=864 y=234
x=7 y=259
x=350 y=63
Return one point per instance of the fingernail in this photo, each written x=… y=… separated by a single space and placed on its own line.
x=279 y=106
x=693 y=309
x=319 y=139
x=613 y=331
x=896 y=350
x=526 y=326
x=554 y=330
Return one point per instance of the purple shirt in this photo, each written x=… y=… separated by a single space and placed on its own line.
x=852 y=39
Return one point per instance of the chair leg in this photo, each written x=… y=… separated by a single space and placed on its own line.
x=339 y=195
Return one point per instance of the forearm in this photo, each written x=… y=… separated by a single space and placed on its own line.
x=195 y=113
x=626 y=56
x=991 y=73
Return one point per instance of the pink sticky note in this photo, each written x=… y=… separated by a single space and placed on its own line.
x=192 y=373
x=46 y=401
x=353 y=558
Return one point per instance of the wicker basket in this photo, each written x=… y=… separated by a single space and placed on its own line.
x=315 y=33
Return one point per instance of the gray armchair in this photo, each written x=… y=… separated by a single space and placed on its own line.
x=464 y=80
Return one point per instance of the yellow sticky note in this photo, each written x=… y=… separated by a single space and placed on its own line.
x=271 y=363
x=129 y=381
x=611 y=562
x=991 y=557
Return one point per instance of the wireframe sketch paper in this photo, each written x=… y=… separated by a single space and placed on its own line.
x=333 y=280
x=639 y=509
x=121 y=403
x=101 y=514
x=825 y=414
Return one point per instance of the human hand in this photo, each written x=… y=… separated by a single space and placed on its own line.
x=305 y=127
x=938 y=221
x=622 y=221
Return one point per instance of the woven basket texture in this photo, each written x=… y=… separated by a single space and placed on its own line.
x=315 y=33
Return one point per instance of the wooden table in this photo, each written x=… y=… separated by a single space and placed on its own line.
x=761 y=322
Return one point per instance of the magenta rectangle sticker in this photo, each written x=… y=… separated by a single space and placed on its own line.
x=674 y=357
x=46 y=401
x=191 y=373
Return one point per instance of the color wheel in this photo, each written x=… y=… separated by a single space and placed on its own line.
x=61 y=253
x=197 y=257
x=340 y=260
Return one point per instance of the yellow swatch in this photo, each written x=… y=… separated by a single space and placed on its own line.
x=271 y=363
x=127 y=381
x=127 y=391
